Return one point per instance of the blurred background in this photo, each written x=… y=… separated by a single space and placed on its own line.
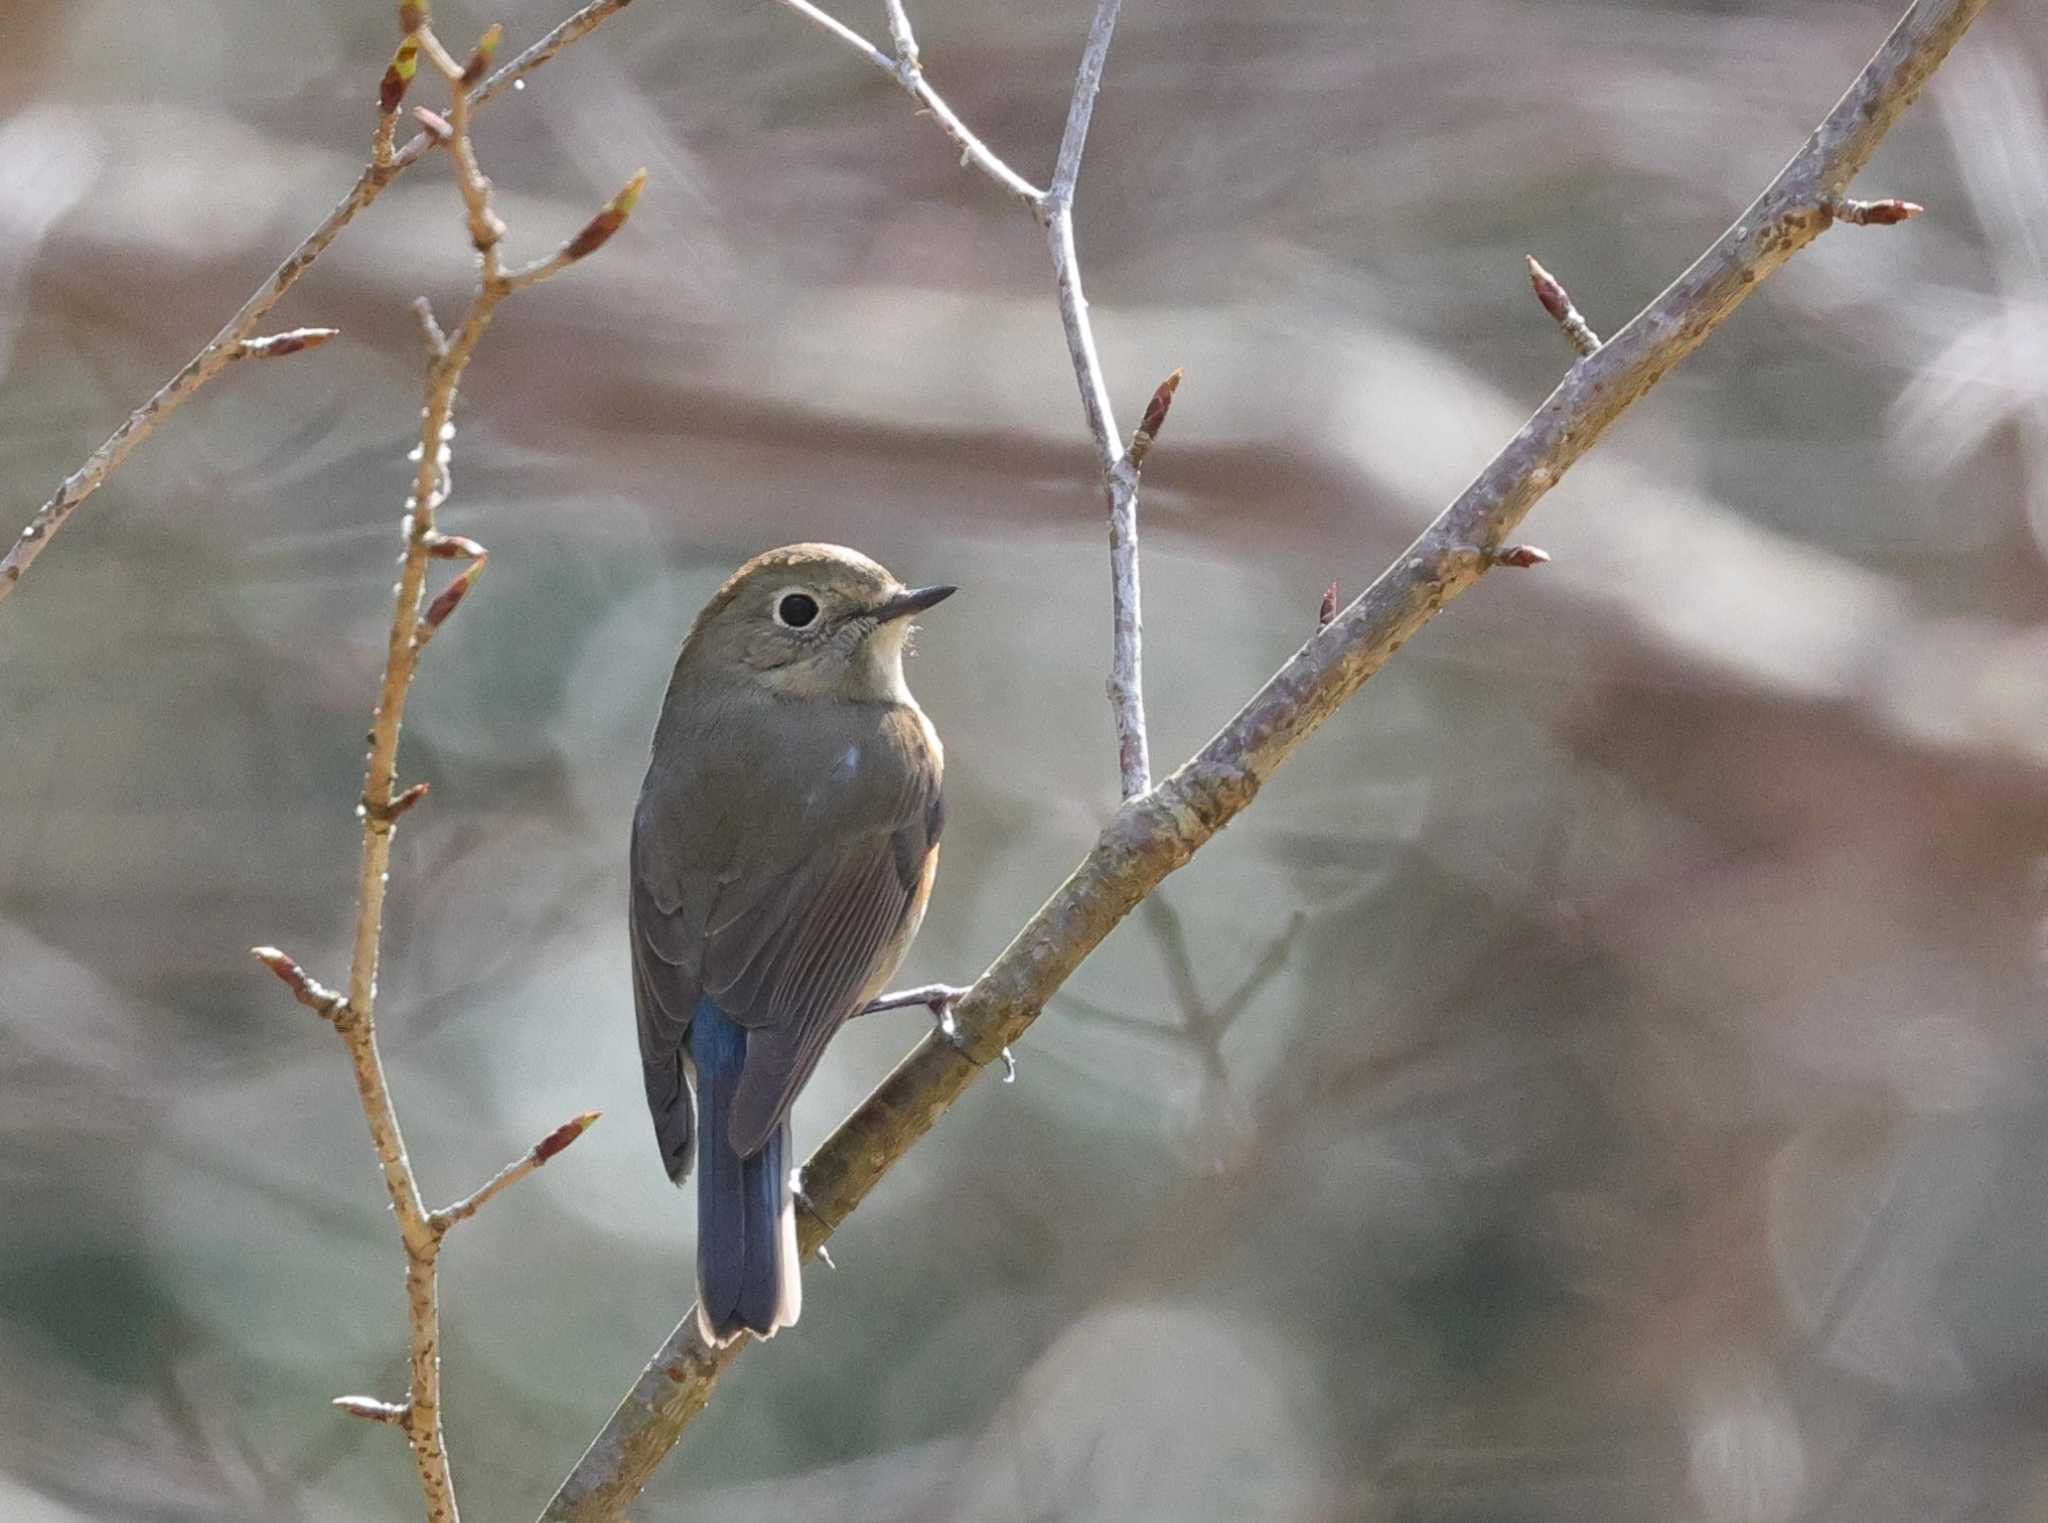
x=1602 y=1078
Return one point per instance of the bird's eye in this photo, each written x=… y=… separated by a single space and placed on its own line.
x=796 y=610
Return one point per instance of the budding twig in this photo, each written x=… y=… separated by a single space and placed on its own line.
x=307 y=990
x=278 y=345
x=1884 y=213
x=1053 y=208
x=398 y=77
x=373 y=1410
x=1558 y=303
x=222 y=350
x=1154 y=419
x=536 y=1157
x=450 y=598
x=480 y=60
x=593 y=235
x=1157 y=834
x=414 y=621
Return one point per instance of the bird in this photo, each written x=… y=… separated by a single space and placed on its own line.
x=783 y=850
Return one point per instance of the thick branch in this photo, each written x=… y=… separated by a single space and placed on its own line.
x=1158 y=832
x=226 y=346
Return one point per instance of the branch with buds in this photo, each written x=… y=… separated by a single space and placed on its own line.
x=1163 y=826
x=1053 y=208
x=236 y=340
x=415 y=620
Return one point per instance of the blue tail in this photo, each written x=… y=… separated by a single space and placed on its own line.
x=746 y=1231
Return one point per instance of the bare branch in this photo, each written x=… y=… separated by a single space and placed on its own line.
x=306 y=989
x=1558 y=303
x=536 y=1157
x=278 y=345
x=1126 y=686
x=373 y=1410
x=908 y=72
x=1081 y=108
x=414 y=620
x=1055 y=209
x=1154 y=420
x=900 y=35
x=1160 y=831
x=1874 y=213
x=225 y=346
x=594 y=235
x=430 y=328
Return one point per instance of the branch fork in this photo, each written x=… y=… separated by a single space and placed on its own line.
x=1160 y=830
x=414 y=621
x=1053 y=209
x=387 y=163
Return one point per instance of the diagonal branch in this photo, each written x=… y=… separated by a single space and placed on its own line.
x=227 y=345
x=907 y=70
x=1159 y=831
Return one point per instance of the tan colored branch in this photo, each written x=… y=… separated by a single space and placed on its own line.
x=1159 y=831
x=414 y=621
x=227 y=345
x=534 y=1158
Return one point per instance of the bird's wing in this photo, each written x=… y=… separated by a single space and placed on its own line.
x=788 y=936
x=837 y=924
x=665 y=995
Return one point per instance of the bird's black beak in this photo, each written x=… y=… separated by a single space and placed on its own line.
x=912 y=600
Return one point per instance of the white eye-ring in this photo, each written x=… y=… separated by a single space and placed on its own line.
x=796 y=610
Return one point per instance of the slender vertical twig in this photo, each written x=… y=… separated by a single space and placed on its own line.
x=1119 y=474
x=1054 y=209
x=414 y=621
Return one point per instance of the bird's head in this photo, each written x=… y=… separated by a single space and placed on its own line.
x=809 y=621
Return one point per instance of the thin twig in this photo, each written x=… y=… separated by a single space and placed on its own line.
x=534 y=1158
x=908 y=72
x=1160 y=831
x=1886 y=213
x=1054 y=208
x=1557 y=301
x=222 y=350
x=277 y=345
x=414 y=621
x=1126 y=686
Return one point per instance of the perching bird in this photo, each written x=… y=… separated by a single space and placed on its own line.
x=783 y=852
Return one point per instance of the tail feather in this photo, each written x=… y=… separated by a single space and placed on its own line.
x=746 y=1216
